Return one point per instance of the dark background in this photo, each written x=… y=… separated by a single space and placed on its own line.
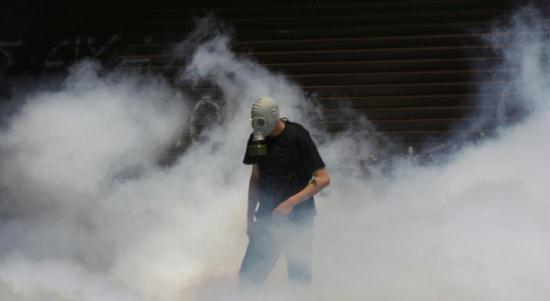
x=412 y=67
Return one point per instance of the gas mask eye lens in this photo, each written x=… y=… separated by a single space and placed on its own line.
x=259 y=123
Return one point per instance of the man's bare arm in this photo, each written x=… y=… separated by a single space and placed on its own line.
x=253 y=197
x=320 y=180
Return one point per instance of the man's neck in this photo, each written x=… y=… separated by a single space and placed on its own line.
x=278 y=129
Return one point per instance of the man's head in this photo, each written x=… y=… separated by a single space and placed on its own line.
x=264 y=117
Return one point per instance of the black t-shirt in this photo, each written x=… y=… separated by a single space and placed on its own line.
x=291 y=159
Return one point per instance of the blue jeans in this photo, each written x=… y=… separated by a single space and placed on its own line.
x=269 y=238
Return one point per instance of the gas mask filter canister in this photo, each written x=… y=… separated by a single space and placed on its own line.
x=264 y=118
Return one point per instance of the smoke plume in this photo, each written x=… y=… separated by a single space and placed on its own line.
x=87 y=213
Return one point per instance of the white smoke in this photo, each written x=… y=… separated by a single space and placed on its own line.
x=88 y=214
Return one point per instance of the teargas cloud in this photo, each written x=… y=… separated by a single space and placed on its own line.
x=88 y=213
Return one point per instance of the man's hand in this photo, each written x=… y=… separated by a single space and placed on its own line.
x=284 y=208
x=320 y=180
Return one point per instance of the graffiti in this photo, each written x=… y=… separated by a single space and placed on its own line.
x=65 y=51
x=206 y=111
x=6 y=48
x=68 y=50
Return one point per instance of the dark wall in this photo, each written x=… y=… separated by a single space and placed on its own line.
x=410 y=66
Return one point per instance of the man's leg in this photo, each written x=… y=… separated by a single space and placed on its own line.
x=262 y=253
x=298 y=250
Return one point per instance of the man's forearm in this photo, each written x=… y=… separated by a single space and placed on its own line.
x=253 y=194
x=320 y=181
x=312 y=188
x=309 y=191
x=252 y=200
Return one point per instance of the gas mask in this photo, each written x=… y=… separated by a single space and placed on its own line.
x=264 y=118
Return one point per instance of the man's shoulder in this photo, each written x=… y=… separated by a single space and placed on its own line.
x=296 y=128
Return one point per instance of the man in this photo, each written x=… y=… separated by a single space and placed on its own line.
x=287 y=171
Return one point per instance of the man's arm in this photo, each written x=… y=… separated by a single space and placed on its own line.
x=320 y=180
x=253 y=195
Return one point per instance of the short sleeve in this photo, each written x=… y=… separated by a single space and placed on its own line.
x=247 y=158
x=309 y=153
